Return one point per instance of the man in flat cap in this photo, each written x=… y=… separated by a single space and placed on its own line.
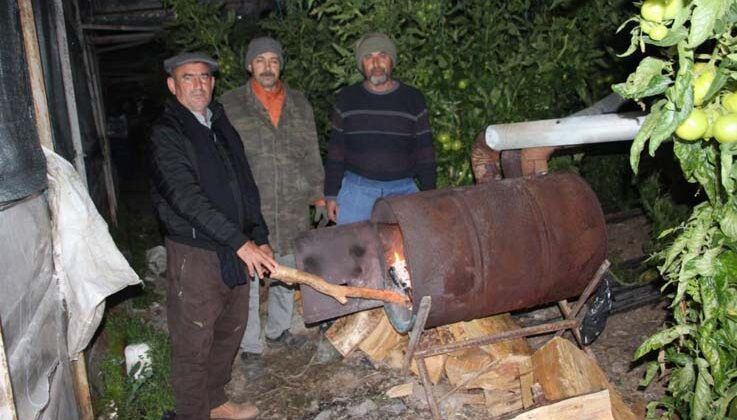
x=277 y=128
x=380 y=140
x=209 y=208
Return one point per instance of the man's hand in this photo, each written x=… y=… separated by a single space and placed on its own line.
x=267 y=249
x=257 y=260
x=321 y=213
x=332 y=209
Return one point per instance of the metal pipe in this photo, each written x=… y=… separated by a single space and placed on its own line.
x=565 y=131
x=491 y=339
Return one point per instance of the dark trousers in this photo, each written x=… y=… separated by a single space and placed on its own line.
x=206 y=322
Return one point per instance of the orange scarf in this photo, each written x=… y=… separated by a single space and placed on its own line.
x=273 y=101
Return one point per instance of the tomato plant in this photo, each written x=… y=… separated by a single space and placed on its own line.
x=695 y=64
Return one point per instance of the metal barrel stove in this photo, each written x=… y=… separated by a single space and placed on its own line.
x=477 y=251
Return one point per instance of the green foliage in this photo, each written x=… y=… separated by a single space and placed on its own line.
x=660 y=209
x=477 y=63
x=149 y=396
x=700 y=264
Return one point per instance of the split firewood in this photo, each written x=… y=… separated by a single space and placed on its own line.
x=340 y=293
x=563 y=370
x=593 y=406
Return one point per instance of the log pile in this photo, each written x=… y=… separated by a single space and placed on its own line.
x=557 y=381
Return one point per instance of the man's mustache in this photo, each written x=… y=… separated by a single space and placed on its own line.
x=267 y=73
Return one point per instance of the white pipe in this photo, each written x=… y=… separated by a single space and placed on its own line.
x=565 y=131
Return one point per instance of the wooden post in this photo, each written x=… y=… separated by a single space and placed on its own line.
x=69 y=94
x=82 y=388
x=98 y=109
x=35 y=73
x=7 y=403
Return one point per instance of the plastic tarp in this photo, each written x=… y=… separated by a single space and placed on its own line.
x=88 y=264
x=34 y=329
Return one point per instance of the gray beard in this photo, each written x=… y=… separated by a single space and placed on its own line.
x=378 y=80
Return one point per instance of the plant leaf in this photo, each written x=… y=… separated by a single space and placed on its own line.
x=661 y=338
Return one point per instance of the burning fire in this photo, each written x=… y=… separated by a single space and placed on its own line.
x=400 y=275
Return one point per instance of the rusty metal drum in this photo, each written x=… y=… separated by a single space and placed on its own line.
x=497 y=247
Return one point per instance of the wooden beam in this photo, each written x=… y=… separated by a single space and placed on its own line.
x=69 y=94
x=35 y=73
x=120 y=28
x=98 y=111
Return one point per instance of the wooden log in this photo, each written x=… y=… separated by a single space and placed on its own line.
x=488 y=326
x=382 y=340
x=563 y=370
x=526 y=381
x=435 y=364
x=507 y=376
x=340 y=293
x=401 y=390
x=594 y=406
x=348 y=332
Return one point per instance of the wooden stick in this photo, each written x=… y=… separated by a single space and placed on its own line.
x=340 y=293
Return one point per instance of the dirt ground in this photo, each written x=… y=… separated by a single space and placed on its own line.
x=296 y=384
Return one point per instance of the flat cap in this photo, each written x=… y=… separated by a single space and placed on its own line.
x=172 y=63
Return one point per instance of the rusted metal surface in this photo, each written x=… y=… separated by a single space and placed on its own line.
x=348 y=254
x=497 y=247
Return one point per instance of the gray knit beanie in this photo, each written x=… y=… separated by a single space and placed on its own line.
x=373 y=42
x=261 y=45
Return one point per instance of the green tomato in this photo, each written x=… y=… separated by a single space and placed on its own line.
x=725 y=128
x=693 y=127
x=658 y=32
x=672 y=9
x=444 y=137
x=730 y=102
x=446 y=146
x=711 y=116
x=653 y=10
x=456 y=145
x=702 y=84
x=463 y=84
x=646 y=26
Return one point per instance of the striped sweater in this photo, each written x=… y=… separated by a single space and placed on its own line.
x=380 y=136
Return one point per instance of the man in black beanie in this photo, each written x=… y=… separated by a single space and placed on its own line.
x=209 y=206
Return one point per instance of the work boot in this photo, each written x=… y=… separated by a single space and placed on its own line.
x=287 y=339
x=252 y=365
x=234 y=411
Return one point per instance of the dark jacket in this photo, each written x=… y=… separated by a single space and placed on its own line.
x=202 y=187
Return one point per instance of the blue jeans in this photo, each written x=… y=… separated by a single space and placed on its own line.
x=358 y=194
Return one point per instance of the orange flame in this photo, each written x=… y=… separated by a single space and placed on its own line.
x=397 y=258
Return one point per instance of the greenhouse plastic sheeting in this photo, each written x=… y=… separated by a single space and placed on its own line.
x=32 y=315
x=88 y=264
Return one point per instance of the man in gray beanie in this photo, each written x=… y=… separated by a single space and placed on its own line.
x=380 y=143
x=277 y=128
